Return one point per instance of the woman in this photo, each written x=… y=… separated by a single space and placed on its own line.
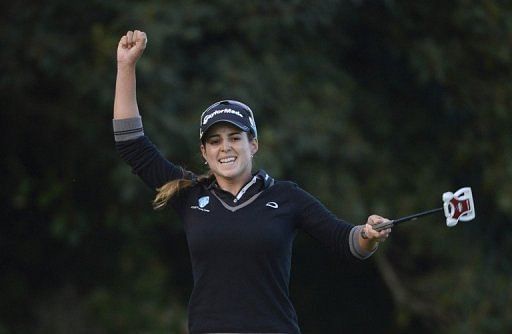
x=239 y=225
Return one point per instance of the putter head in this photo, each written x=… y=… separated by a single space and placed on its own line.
x=458 y=206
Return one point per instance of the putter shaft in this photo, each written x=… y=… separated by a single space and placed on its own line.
x=391 y=223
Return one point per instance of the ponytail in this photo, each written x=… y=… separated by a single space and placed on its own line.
x=171 y=188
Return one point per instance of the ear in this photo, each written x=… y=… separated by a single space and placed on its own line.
x=254 y=146
x=203 y=151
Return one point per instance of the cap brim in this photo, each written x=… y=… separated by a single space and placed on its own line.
x=236 y=124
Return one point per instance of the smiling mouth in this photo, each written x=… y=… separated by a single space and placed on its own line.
x=227 y=160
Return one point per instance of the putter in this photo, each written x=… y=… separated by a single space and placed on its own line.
x=458 y=206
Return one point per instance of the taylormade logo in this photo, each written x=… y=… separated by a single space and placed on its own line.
x=221 y=111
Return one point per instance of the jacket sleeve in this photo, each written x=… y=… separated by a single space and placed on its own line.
x=339 y=236
x=143 y=157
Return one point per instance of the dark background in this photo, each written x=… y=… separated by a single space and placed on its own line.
x=372 y=106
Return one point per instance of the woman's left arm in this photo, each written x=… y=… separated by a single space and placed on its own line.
x=343 y=238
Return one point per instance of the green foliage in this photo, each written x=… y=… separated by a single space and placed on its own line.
x=372 y=106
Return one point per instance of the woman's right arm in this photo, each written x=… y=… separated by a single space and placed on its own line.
x=136 y=149
x=129 y=50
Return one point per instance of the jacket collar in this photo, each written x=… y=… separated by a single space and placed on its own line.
x=259 y=182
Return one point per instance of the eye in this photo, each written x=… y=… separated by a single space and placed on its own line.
x=213 y=141
x=236 y=138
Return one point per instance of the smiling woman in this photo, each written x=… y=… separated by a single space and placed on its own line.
x=228 y=148
x=229 y=151
x=240 y=225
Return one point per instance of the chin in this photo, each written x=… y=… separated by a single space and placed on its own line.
x=231 y=174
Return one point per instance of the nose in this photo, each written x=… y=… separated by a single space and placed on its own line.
x=226 y=146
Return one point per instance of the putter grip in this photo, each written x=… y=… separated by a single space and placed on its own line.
x=384 y=225
x=379 y=227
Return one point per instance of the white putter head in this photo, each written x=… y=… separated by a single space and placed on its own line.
x=458 y=206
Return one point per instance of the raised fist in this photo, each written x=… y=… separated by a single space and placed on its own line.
x=131 y=46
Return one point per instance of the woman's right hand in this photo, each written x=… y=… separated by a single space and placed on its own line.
x=130 y=47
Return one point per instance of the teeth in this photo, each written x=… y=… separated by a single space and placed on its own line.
x=226 y=160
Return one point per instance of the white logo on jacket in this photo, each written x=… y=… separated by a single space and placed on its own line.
x=273 y=205
x=202 y=202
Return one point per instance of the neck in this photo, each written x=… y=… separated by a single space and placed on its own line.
x=233 y=185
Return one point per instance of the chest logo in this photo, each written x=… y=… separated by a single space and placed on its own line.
x=203 y=201
x=273 y=205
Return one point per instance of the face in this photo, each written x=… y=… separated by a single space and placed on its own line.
x=228 y=151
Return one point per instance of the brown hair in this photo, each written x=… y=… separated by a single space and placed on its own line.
x=171 y=188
